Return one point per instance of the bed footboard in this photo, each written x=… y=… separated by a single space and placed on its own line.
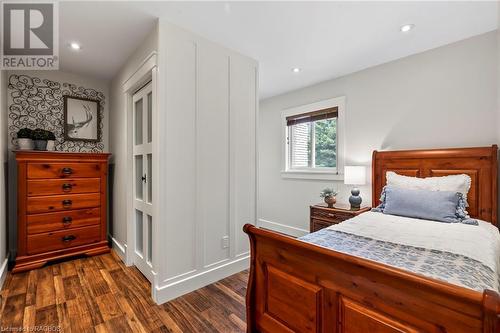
x=299 y=287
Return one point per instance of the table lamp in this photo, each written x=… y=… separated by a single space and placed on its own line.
x=355 y=175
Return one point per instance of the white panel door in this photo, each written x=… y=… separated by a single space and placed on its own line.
x=143 y=182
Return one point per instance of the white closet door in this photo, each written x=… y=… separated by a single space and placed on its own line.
x=143 y=182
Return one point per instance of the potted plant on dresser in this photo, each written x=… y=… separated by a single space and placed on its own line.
x=24 y=139
x=40 y=137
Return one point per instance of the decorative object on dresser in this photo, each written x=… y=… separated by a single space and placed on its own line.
x=51 y=141
x=24 y=141
x=40 y=138
x=61 y=206
x=322 y=216
x=355 y=175
x=329 y=196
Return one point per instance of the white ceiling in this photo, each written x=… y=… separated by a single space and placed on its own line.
x=108 y=33
x=325 y=39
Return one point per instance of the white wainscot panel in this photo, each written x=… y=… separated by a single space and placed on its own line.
x=213 y=153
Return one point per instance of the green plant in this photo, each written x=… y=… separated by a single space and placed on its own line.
x=328 y=192
x=40 y=134
x=24 y=133
x=50 y=135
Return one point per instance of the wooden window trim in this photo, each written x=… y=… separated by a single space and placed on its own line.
x=308 y=117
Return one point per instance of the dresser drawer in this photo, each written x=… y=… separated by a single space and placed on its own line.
x=59 y=240
x=55 y=203
x=63 y=170
x=47 y=222
x=38 y=187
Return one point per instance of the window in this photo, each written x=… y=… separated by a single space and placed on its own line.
x=311 y=139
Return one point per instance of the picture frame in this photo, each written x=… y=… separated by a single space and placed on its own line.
x=82 y=119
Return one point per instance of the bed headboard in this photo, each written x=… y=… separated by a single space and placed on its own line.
x=479 y=163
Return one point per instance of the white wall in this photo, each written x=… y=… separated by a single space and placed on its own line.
x=207 y=101
x=444 y=97
x=61 y=77
x=118 y=141
x=3 y=190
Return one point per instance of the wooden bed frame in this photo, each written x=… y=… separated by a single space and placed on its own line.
x=299 y=287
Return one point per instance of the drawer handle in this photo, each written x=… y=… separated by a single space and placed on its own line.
x=67 y=203
x=68 y=238
x=67 y=171
x=67 y=187
x=67 y=220
x=331 y=215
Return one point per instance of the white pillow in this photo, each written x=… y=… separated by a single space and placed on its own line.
x=454 y=183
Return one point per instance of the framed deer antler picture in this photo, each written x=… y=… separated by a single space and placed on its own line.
x=82 y=119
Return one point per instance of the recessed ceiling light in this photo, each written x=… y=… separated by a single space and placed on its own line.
x=296 y=70
x=407 y=27
x=75 y=46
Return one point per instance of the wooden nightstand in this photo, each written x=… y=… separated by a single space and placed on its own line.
x=322 y=216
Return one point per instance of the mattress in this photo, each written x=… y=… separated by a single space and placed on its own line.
x=465 y=255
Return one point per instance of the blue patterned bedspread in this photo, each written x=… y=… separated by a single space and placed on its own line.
x=446 y=266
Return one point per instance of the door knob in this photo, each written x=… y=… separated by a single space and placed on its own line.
x=144 y=178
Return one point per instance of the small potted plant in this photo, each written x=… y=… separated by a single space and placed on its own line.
x=24 y=139
x=40 y=139
x=51 y=141
x=329 y=195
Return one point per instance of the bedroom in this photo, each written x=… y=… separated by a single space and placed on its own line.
x=392 y=76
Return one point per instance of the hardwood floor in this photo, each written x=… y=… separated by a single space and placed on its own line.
x=99 y=294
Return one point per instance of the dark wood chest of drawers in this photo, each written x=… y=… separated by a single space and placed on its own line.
x=322 y=216
x=61 y=206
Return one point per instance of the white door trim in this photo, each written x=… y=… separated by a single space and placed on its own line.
x=147 y=71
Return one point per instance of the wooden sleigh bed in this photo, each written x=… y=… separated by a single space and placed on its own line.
x=295 y=286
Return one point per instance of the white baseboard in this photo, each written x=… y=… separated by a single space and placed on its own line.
x=168 y=292
x=284 y=229
x=3 y=271
x=120 y=249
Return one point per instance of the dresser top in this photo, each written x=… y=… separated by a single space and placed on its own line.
x=58 y=155
x=55 y=152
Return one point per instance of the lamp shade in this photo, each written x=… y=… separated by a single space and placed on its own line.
x=355 y=175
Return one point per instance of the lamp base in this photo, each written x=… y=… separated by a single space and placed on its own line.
x=355 y=200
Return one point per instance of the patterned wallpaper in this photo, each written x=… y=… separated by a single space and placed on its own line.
x=39 y=103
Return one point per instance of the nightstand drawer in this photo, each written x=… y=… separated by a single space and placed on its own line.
x=322 y=216
x=325 y=215
x=319 y=224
